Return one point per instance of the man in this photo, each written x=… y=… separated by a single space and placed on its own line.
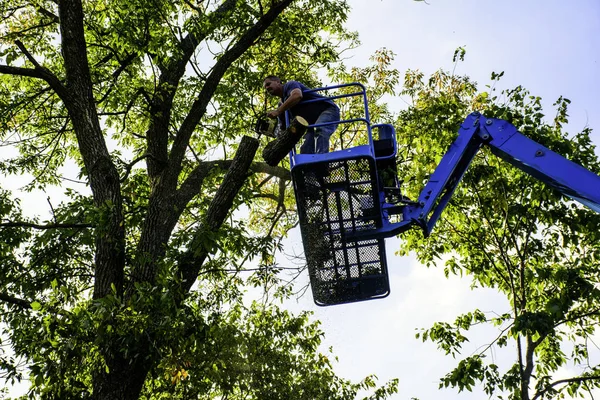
x=292 y=93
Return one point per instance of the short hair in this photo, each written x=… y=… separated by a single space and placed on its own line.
x=272 y=78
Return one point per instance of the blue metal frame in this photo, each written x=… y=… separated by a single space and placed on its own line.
x=567 y=177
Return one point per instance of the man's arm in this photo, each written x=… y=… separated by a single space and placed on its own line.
x=295 y=97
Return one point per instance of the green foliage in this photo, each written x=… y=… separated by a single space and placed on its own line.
x=268 y=354
x=381 y=80
x=510 y=232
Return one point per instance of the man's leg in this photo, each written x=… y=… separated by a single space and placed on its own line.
x=323 y=133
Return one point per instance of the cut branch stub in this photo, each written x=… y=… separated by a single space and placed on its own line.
x=192 y=260
x=233 y=181
x=277 y=149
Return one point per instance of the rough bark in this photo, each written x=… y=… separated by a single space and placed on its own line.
x=103 y=175
x=161 y=218
x=277 y=149
x=124 y=379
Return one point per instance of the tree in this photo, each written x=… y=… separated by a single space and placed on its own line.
x=510 y=232
x=134 y=287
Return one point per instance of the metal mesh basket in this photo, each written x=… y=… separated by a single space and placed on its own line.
x=334 y=199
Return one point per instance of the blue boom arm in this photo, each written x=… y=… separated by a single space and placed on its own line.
x=507 y=143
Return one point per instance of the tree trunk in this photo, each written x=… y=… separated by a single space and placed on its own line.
x=124 y=381
x=103 y=175
x=277 y=149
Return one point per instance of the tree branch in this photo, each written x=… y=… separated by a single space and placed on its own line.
x=281 y=209
x=15 y=301
x=20 y=71
x=37 y=72
x=48 y=13
x=279 y=172
x=539 y=394
x=276 y=150
x=162 y=103
x=27 y=54
x=573 y=318
x=19 y=224
x=129 y=166
x=528 y=370
x=103 y=175
x=193 y=184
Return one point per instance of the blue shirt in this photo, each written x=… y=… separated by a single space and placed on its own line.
x=310 y=111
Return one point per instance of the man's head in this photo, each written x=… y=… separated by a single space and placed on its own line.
x=273 y=85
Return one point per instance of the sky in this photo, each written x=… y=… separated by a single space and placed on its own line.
x=552 y=48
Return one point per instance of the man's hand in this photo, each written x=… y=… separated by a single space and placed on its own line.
x=273 y=114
